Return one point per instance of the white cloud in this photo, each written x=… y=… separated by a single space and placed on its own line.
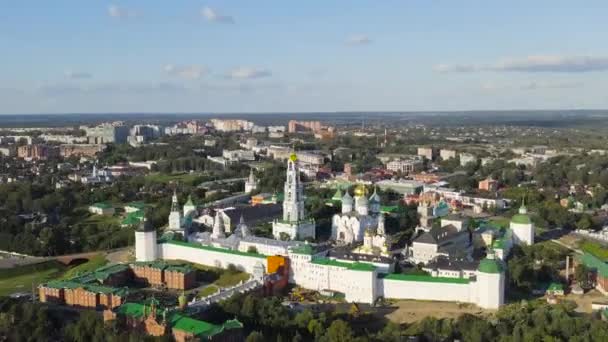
x=78 y=74
x=358 y=39
x=245 y=73
x=531 y=64
x=213 y=16
x=120 y=12
x=189 y=72
x=531 y=85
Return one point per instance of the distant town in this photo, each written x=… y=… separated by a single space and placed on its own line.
x=229 y=229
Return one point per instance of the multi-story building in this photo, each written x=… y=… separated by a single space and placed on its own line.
x=427 y=152
x=115 y=132
x=488 y=184
x=304 y=126
x=37 y=152
x=8 y=151
x=466 y=158
x=447 y=154
x=238 y=155
x=80 y=150
x=232 y=125
x=405 y=165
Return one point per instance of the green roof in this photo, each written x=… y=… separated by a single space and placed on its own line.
x=194 y=326
x=556 y=287
x=490 y=266
x=595 y=263
x=179 y=321
x=133 y=218
x=102 y=205
x=424 y=278
x=521 y=219
x=388 y=208
x=303 y=249
x=338 y=195
x=215 y=249
x=189 y=201
x=355 y=266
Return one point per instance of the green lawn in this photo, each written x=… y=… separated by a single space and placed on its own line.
x=594 y=249
x=220 y=277
x=230 y=279
x=21 y=279
x=500 y=221
x=207 y=291
x=91 y=265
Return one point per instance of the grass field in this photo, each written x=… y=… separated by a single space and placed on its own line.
x=220 y=277
x=91 y=265
x=102 y=220
x=21 y=279
x=594 y=249
x=207 y=291
x=500 y=221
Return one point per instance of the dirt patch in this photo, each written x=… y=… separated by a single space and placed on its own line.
x=408 y=311
x=583 y=302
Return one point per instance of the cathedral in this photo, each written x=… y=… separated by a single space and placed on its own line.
x=359 y=214
x=294 y=224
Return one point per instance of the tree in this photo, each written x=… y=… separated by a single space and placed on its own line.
x=339 y=331
x=303 y=318
x=255 y=336
x=315 y=328
x=284 y=236
x=581 y=275
x=585 y=222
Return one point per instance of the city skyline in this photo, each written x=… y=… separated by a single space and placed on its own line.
x=212 y=56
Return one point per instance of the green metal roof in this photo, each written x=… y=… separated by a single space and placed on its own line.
x=555 y=287
x=490 y=266
x=189 y=201
x=215 y=249
x=355 y=266
x=337 y=196
x=179 y=321
x=194 y=326
x=388 y=208
x=425 y=278
x=595 y=263
x=133 y=218
x=521 y=219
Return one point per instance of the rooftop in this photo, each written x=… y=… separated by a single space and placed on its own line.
x=355 y=266
x=215 y=249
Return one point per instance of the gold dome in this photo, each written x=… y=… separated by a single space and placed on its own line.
x=360 y=190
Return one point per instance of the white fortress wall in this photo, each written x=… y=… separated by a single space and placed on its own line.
x=210 y=256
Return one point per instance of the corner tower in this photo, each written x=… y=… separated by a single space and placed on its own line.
x=145 y=242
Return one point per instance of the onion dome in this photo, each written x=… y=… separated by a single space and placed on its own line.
x=360 y=190
x=374 y=198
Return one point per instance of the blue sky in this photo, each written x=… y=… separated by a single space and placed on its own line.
x=286 y=56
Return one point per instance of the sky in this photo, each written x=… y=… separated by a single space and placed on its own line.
x=75 y=56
